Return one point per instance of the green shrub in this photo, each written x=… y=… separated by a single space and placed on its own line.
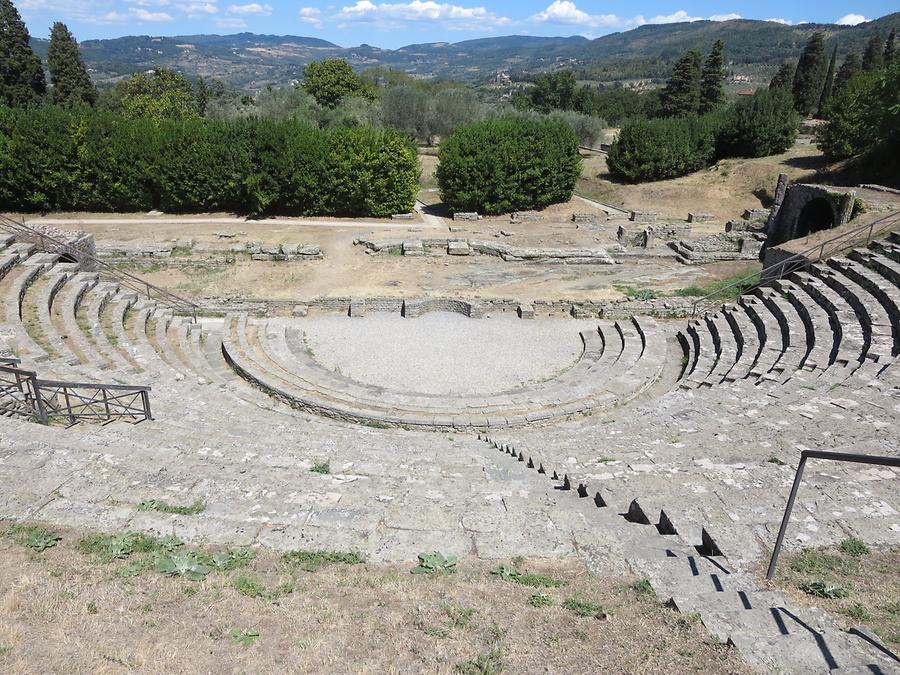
x=760 y=125
x=508 y=163
x=663 y=148
x=85 y=160
x=862 y=115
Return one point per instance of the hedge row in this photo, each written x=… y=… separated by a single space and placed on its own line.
x=504 y=164
x=757 y=126
x=53 y=159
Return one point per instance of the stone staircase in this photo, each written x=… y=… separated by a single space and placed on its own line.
x=823 y=323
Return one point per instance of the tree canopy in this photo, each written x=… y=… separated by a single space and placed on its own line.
x=682 y=93
x=809 y=77
x=332 y=80
x=711 y=93
x=22 y=79
x=71 y=83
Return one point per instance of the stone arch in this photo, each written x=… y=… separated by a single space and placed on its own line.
x=816 y=215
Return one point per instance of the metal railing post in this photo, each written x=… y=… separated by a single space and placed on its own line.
x=787 y=516
x=145 y=398
x=39 y=402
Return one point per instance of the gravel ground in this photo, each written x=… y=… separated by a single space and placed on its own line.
x=444 y=353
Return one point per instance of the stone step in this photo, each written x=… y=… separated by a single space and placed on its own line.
x=887 y=296
x=843 y=318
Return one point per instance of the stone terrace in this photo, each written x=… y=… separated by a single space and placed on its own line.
x=715 y=407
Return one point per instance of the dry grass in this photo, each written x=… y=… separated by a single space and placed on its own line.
x=865 y=587
x=64 y=611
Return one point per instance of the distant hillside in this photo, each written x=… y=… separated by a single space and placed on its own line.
x=253 y=61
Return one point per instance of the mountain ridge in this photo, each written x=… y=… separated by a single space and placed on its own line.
x=251 y=61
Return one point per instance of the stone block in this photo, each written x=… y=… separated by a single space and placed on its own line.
x=458 y=248
x=413 y=247
x=300 y=310
x=643 y=217
x=526 y=311
x=756 y=214
x=402 y=216
x=700 y=217
x=462 y=215
x=270 y=249
x=308 y=250
x=585 y=218
x=525 y=217
x=357 y=308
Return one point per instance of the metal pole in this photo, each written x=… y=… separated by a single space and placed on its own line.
x=145 y=395
x=787 y=516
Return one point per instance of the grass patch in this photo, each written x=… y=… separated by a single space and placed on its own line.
x=488 y=663
x=35 y=537
x=540 y=600
x=586 y=608
x=321 y=467
x=243 y=637
x=643 y=587
x=249 y=586
x=164 y=507
x=643 y=294
x=854 y=546
x=728 y=289
x=774 y=460
x=435 y=563
x=509 y=573
x=856 y=584
x=311 y=561
x=459 y=617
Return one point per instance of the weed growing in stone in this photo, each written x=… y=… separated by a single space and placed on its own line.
x=321 y=467
x=310 y=561
x=854 y=546
x=34 y=537
x=435 y=563
x=164 y=507
x=774 y=460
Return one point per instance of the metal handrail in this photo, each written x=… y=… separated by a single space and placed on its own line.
x=46 y=399
x=819 y=454
x=126 y=279
x=795 y=262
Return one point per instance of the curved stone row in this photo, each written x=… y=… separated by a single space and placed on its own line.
x=826 y=321
x=619 y=361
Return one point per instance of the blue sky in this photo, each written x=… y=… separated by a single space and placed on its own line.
x=398 y=22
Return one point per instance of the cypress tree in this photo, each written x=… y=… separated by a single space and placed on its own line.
x=682 y=93
x=784 y=77
x=711 y=94
x=890 y=49
x=810 y=75
x=71 y=83
x=873 y=58
x=21 y=75
x=851 y=66
x=828 y=88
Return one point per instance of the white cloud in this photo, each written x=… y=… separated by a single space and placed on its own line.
x=231 y=23
x=198 y=9
x=785 y=22
x=143 y=15
x=312 y=16
x=453 y=17
x=252 y=8
x=851 y=20
x=566 y=12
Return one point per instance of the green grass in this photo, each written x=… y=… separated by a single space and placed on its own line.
x=723 y=287
x=643 y=587
x=540 y=600
x=34 y=537
x=854 y=546
x=321 y=467
x=817 y=563
x=821 y=589
x=311 y=561
x=488 y=663
x=164 y=507
x=643 y=294
x=509 y=573
x=459 y=617
x=249 y=586
x=586 y=608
